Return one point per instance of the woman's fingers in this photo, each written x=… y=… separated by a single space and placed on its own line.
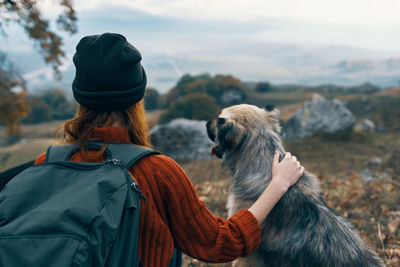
x=275 y=161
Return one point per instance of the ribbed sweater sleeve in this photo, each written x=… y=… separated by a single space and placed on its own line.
x=196 y=231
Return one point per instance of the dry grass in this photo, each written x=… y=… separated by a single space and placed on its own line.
x=389 y=92
x=13 y=155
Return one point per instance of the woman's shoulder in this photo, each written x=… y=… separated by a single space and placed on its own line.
x=163 y=168
x=160 y=163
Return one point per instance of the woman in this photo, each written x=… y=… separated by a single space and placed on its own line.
x=109 y=86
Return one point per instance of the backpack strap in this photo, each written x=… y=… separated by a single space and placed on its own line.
x=128 y=154
x=60 y=153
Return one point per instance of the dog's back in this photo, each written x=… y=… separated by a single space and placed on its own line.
x=302 y=231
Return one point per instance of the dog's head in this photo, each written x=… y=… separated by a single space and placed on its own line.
x=239 y=123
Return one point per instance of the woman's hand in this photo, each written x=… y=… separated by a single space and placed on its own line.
x=287 y=172
x=284 y=175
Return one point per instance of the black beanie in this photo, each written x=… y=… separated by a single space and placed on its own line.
x=108 y=75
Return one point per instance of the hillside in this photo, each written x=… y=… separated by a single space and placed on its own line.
x=371 y=202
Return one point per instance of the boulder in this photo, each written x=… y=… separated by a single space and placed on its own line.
x=319 y=115
x=182 y=139
x=231 y=97
x=367 y=175
x=375 y=161
x=365 y=125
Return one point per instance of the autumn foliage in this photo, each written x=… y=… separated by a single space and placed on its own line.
x=13 y=104
x=226 y=89
x=27 y=14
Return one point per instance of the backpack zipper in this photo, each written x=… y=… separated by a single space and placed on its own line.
x=116 y=162
x=131 y=182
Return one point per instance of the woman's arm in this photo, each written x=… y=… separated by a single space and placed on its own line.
x=284 y=175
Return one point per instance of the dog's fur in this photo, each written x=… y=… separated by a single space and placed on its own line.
x=301 y=230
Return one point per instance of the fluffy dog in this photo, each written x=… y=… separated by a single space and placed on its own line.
x=301 y=230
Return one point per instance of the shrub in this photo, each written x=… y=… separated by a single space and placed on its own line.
x=263 y=87
x=51 y=105
x=152 y=99
x=226 y=89
x=198 y=106
x=39 y=111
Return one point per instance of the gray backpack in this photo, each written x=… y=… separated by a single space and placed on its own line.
x=64 y=213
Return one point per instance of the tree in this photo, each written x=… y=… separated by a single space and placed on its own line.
x=226 y=89
x=39 y=111
x=197 y=106
x=263 y=87
x=152 y=99
x=55 y=98
x=60 y=107
x=13 y=104
x=26 y=13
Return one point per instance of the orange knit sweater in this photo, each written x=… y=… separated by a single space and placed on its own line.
x=173 y=215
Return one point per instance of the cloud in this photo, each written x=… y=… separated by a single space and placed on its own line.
x=348 y=12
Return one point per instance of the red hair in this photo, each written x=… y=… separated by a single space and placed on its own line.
x=78 y=129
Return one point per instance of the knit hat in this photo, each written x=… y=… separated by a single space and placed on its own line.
x=108 y=75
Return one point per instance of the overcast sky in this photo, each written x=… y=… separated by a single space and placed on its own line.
x=367 y=20
x=346 y=12
x=279 y=40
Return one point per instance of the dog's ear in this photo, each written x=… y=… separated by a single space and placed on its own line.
x=211 y=129
x=230 y=134
x=269 y=107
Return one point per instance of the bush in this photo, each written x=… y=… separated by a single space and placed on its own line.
x=197 y=106
x=152 y=99
x=39 y=111
x=226 y=89
x=263 y=87
x=51 y=105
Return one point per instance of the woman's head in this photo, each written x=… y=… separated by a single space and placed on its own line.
x=109 y=75
x=109 y=85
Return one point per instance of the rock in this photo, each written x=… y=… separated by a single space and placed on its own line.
x=182 y=139
x=231 y=97
x=365 y=125
x=318 y=116
x=23 y=141
x=375 y=161
x=366 y=174
x=383 y=175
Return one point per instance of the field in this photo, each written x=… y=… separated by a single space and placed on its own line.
x=372 y=204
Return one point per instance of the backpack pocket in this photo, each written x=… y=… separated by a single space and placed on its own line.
x=41 y=250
